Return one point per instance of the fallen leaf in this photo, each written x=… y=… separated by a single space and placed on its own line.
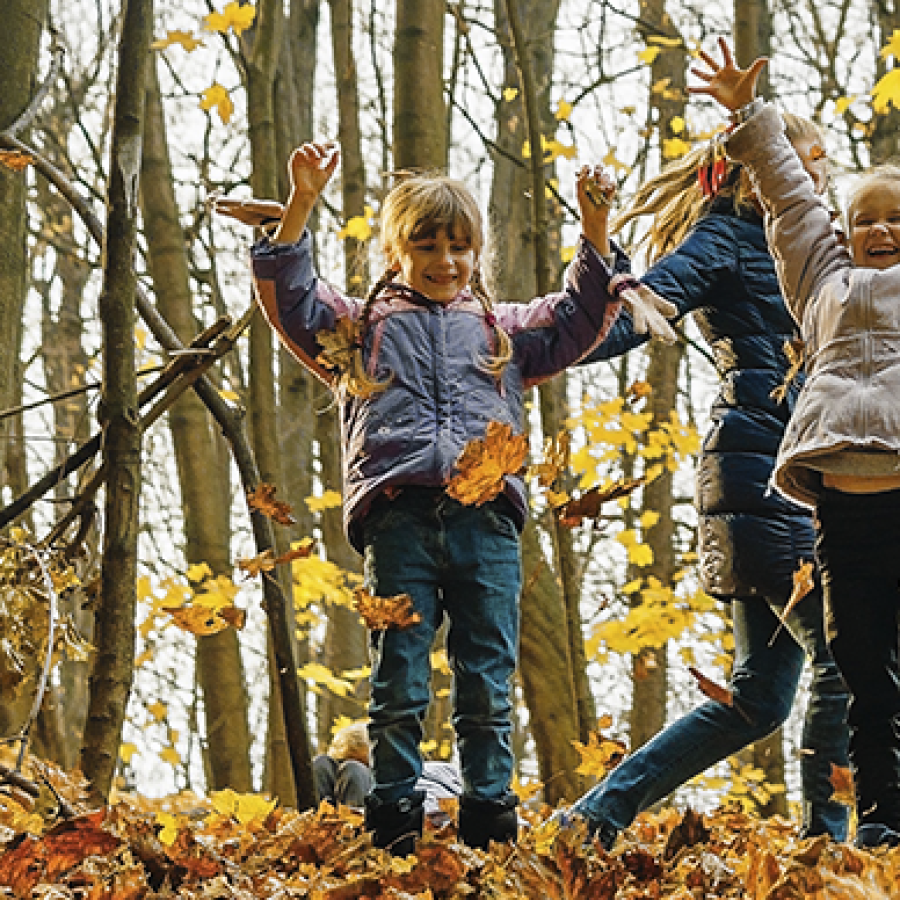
x=803 y=584
x=485 y=462
x=841 y=779
x=263 y=500
x=15 y=159
x=385 y=612
x=588 y=505
x=710 y=688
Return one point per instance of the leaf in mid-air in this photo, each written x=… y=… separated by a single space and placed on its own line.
x=385 y=612
x=485 y=462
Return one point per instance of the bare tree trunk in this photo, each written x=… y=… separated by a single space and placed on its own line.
x=113 y=670
x=260 y=73
x=419 y=120
x=19 y=53
x=204 y=481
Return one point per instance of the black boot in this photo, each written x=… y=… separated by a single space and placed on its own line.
x=483 y=821
x=395 y=826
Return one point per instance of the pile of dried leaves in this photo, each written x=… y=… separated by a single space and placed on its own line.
x=186 y=847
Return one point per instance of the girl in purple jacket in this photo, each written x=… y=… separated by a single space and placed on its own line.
x=421 y=367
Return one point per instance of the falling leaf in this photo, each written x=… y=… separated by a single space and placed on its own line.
x=217 y=97
x=234 y=16
x=483 y=465
x=555 y=462
x=710 y=688
x=588 y=505
x=803 y=584
x=262 y=562
x=841 y=779
x=302 y=551
x=887 y=92
x=183 y=38
x=563 y=110
x=510 y=94
x=599 y=755
x=648 y=55
x=384 y=612
x=199 y=620
x=327 y=500
x=15 y=159
x=358 y=227
x=263 y=499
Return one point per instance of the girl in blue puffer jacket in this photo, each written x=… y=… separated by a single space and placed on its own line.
x=711 y=259
x=421 y=368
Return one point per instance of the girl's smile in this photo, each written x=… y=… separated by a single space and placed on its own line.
x=875 y=226
x=438 y=265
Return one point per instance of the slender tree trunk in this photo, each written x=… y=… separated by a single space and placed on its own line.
x=115 y=634
x=261 y=67
x=204 y=481
x=19 y=52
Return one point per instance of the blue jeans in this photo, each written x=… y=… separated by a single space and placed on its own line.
x=462 y=562
x=859 y=551
x=763 y=683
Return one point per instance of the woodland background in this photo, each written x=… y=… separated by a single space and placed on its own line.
x=184 y=656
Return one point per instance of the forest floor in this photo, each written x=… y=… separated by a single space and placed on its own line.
x=244 y=846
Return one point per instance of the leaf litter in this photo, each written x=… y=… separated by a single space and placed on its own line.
x=186 y=847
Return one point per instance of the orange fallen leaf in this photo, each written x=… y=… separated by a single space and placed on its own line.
x=384 y=612
x=263 y=499
x=841 y=779
x=803 y=584
x=15 y=159
x=204 y=620
x=483 y=465
x=710 y=688
x=588 y=505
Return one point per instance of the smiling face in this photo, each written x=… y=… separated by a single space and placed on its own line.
x=874 y=220
x=437 y=263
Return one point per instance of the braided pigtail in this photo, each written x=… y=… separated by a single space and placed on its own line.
x=353 y=379
x=498 y=362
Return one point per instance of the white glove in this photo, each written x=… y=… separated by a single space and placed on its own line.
x=649 y=311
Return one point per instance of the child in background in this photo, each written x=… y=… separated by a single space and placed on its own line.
x=709 y=256
x=841 y=450
x=430 y=361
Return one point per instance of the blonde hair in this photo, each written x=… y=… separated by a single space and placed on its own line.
x=416 y=207
x=889 y=171
x=351 y=742
x=675 y=197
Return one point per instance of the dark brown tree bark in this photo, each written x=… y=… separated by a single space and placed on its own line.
x=112 y=673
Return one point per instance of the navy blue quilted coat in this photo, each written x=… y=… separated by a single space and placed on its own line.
x=751 y=539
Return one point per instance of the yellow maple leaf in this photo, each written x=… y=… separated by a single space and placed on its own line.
x=358 y=227
x=892 y=47
x=170 y=755
x=611 y=162
x=169 y=830
x=675 y=147
x=235 y=16
x=563 y=110
x=183 y=38
x=599 y=755
x=127 y=751
x=217 y=97
x=485 y=462
x=887 y=92
x=158 y=710
x=648 y=55
x=326 y=500
x=510 y=94
x=842 y=104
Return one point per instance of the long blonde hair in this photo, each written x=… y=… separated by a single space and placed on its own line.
x=675 y=197
x=417 y=206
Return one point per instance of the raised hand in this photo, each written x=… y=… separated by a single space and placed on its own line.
x=595 y=190
x=728 y=84
x=310 y=167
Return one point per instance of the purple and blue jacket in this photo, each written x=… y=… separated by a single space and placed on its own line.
x=440 y=396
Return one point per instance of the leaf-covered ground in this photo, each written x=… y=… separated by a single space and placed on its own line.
x=237 y=846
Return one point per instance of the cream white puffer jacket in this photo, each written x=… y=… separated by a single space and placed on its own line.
x=847 y=418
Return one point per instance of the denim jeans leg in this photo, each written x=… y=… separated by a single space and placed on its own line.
x=400 y=557
x=858 y=540
x=481 y=595
x=763 y=684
